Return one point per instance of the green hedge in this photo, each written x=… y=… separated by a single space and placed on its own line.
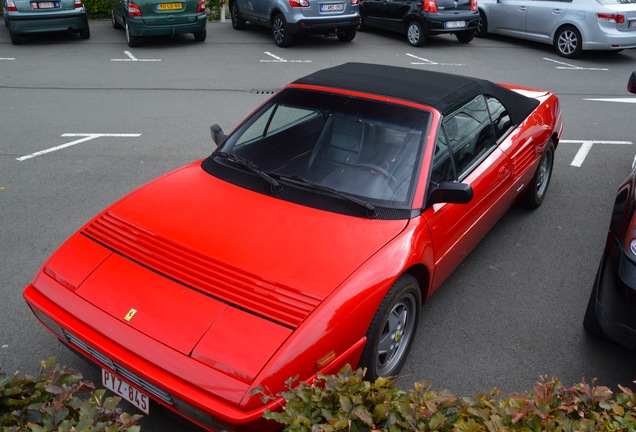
x=58 y=399
x=345 y=402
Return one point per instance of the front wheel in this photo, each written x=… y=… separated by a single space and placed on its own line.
x=482 y=26
x=465 y=36
x=568 y=43
x=537 y=189
x=415 y=34
x=391 y=333
x=238 y=23
x=590 y=320
x=113 y=20
x=282 y=37
x=347 y=36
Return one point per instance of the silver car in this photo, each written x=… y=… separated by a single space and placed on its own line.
x=570 y=25
x=291 y=18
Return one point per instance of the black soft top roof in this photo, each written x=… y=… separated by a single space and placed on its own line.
x=441 y=91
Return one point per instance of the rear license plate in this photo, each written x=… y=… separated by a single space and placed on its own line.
x=126 y=391
x=46 y=5
x=169 y=6
x=455 y=24
x=632 y=24
x=338 y=7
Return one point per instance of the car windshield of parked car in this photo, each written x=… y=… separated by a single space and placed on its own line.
x=324 y=142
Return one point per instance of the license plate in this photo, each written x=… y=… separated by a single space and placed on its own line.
x=338 y=7
x=455 y=24
x=632 y=24
x=169 y=6
x=46 y=5
x=120 y=387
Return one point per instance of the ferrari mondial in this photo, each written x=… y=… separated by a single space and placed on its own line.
x=309 y=239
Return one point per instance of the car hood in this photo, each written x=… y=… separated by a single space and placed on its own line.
x=219 y=272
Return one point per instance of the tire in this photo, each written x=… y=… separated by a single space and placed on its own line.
x=590 y=320
x=16 y=39
x=535 y=193
x=362 y=26
x=85 y=33
x=415 y=34
x=238 y=23
x=133 y=41
x=465 y=36
x=113 y=21
x=568 y=42
x=282 y=37
x=482 y=27
x=347 y=36
x=392 y=330
x=200 y=36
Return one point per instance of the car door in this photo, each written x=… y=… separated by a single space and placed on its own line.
x=375 y=13
x=543 y=17
x=508 y=17
x=466 y=151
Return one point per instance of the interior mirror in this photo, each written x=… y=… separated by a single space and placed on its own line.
x=217 y=134
x=631 y=84
x=451 y=192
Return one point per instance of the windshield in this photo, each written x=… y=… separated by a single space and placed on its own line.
x=359 y=147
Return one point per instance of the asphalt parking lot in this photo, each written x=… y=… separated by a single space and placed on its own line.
x=82 y=122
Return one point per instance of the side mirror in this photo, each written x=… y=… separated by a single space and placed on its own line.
x=451 y=192
x=217 y=134
x=631 y=84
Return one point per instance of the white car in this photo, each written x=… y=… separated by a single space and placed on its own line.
x=570 y=25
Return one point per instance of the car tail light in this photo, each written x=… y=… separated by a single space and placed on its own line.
x=299 y=3
x=355 y=2
x=474 y=5
x=133 y=10
x=201 y=6
x=11 y=6
x=430 y=6
x=78 y=4
x=611 y=18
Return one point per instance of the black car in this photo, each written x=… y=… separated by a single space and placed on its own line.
x=422 y=18
x=611 y=311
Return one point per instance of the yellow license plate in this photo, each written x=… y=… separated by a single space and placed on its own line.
x=169 y=6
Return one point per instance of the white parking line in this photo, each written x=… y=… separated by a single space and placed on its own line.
x=619 y=100
x=568 y=66
x=132 y=58
x=86 y=137
x=423 y=61
x=282 y=60
x=7 y=58
x=586 y=146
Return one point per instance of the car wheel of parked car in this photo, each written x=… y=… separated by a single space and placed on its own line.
x=116 y=25
x=414 y=34
x=280 y=31
x=200 y=36
x=362 y=26
x=16 y=39
x=590 y=321
x=465 y=36
x=238 y=23
x=482 y=26
x=85 y=33
x=392 y=329
x=133 y=41
x=568 y=43
x=534 y=195
x=347 y=36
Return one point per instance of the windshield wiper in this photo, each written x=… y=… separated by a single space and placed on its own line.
x=371 y=211
x=252 y=167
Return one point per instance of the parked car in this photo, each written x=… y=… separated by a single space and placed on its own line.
x=289 y=19
x=140 y=18
x=610 y=311
x=421 y=19
x=571 y=26
x=24 y=17
x=307 y=240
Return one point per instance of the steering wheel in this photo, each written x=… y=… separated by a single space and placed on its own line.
x=378 y=169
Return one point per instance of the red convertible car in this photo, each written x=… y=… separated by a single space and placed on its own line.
x=309 y=239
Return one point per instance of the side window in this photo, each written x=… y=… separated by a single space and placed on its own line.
x=500 y=118
x=470 y=134
x=442 y=161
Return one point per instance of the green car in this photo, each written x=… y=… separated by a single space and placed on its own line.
x=141 y=18
x=34 y=16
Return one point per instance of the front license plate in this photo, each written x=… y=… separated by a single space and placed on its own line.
x=455 y=24
x=120 y=387
x=338 y=7
x=169 y=6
